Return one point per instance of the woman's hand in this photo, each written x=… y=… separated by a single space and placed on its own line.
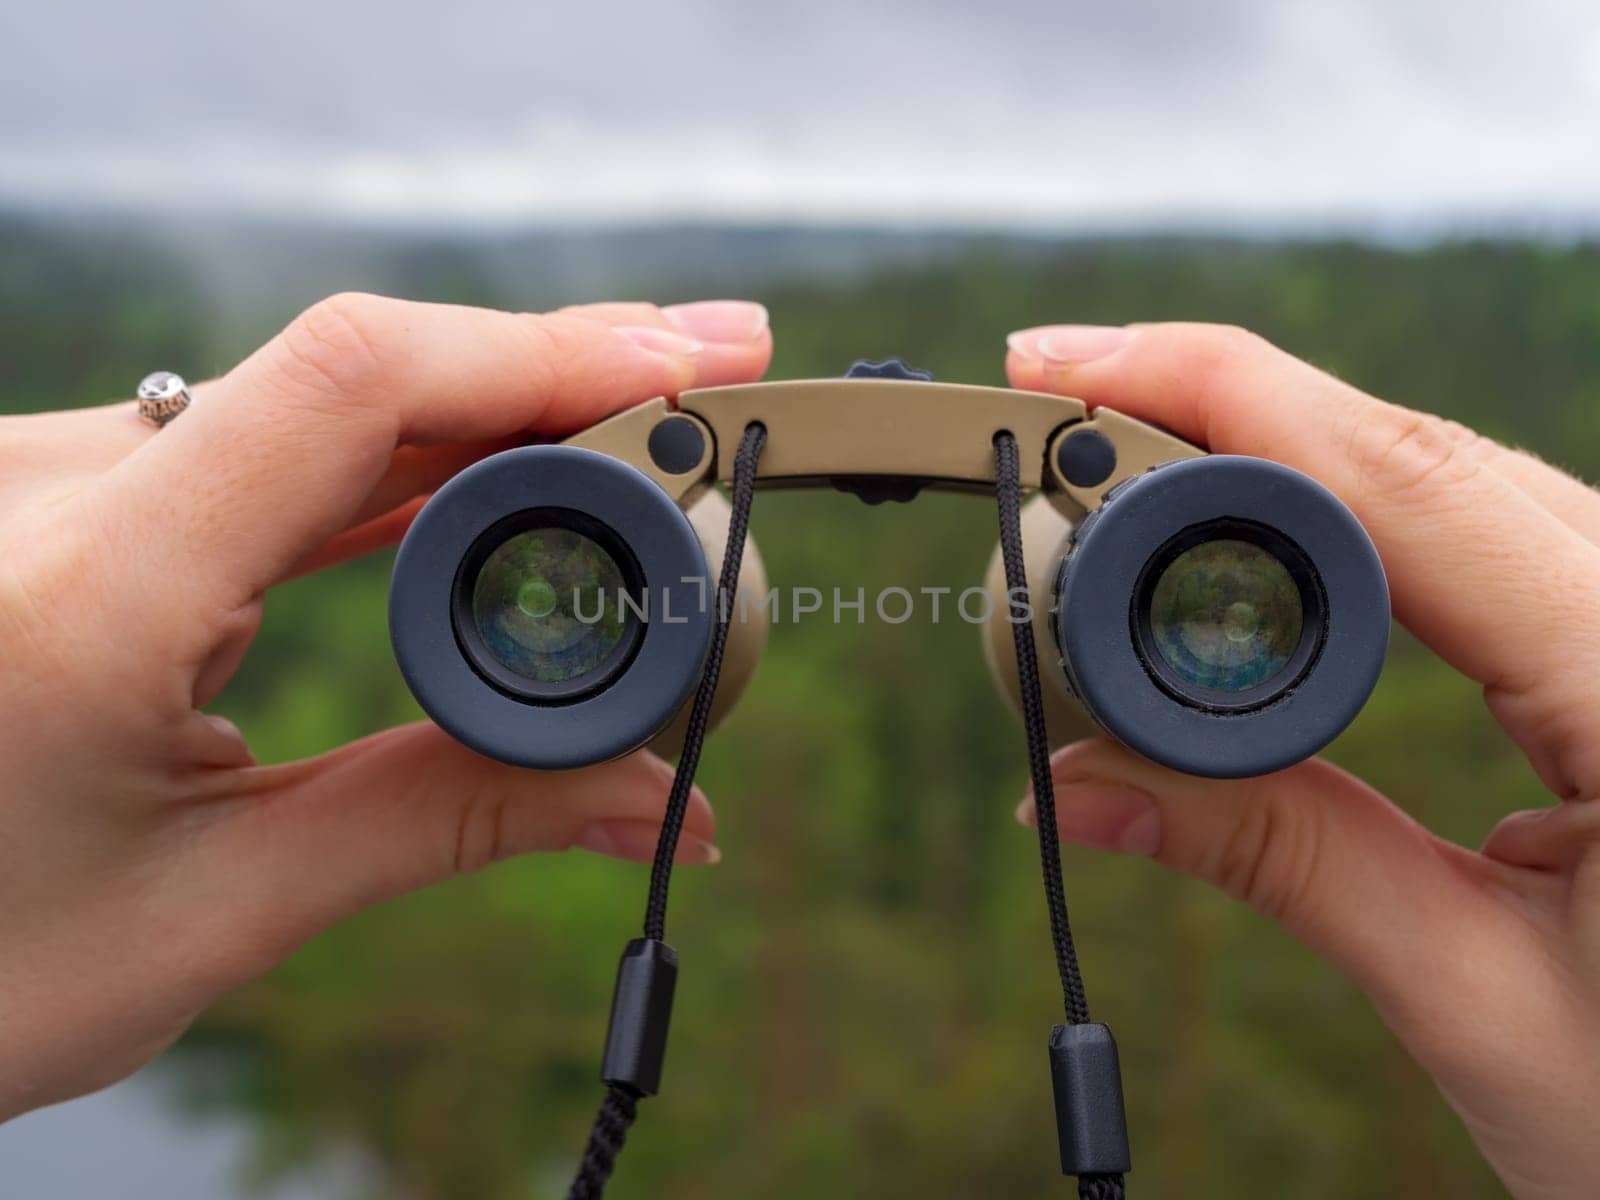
x=1487 y=964
x=147 y=865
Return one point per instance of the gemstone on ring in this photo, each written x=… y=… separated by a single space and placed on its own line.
x=162 y=396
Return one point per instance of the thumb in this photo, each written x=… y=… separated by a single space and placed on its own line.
x=311 y=842
x=1311 y=847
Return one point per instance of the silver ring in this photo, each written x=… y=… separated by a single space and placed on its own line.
x=162 y=396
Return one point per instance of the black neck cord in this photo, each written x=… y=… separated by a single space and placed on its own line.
x=1082 y=1056
x=744 y=485
x=1089 y=1119
x=642 y=1005
x=1008 y=492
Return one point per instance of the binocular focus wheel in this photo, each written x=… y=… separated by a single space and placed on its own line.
x=462 y=577
x=1167 y=683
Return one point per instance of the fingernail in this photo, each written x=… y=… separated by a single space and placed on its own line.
x=231 y=747
x=1069 y=343
x=661 y=341
x=635 y=841
x=1103 y=816
x=719 y=320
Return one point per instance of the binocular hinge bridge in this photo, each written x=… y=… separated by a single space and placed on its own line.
x=885 y=439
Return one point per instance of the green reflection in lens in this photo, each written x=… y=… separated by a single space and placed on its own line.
x=1226 y=615
x=548 y=604
x=537 y=598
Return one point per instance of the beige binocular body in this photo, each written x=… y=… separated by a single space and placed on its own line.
x=888 y=439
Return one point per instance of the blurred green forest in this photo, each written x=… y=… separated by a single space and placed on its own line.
x=867 y=979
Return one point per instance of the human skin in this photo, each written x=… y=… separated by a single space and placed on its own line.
x=1485 y=964
x=150 y=865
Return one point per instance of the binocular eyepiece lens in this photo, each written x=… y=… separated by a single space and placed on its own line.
x=547 y=604
x=1227 y=614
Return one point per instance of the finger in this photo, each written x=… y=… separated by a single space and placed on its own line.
x=1568 y=498
x=726 y=328
x=1478 y=569
x=76 y=437
x=416 y=470
x=61 y=451
x=1311 y=847
x=1564 y=494
x=377 y=534
x=97 y=438
x=1546 y=839
x=311 y=842
x=293 y=442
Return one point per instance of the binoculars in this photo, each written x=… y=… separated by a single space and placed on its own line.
x=552 y=605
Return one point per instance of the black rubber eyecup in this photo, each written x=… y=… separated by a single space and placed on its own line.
x=631 y=695
x=1103 y=620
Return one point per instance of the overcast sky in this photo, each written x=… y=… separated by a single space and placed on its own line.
x=1046 y=111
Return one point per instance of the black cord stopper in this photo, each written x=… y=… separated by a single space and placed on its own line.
x=1090 y=1123
x=641 y=1012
